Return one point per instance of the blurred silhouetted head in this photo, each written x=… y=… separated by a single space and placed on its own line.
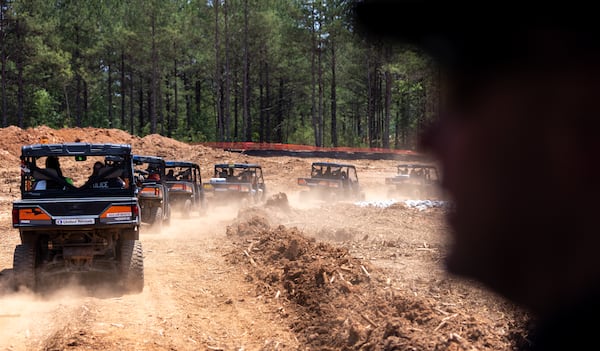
x=521 y=86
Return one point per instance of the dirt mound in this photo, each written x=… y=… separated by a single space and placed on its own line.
x=12 y=138
x=341 y=302
x=278 y=201
x=339 y=234
x=250 y=221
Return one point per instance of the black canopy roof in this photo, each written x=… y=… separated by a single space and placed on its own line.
x=171 y=163
x=75 y=149
x=237 y=165
x=331 y=164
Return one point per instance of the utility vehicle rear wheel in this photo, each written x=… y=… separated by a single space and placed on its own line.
x=187 y=208
x=156 y=218
x=131 y=265
x=24 y=267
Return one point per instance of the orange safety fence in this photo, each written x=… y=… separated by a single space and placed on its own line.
x=245 y=146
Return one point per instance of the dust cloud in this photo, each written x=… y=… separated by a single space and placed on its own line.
x=202 y=291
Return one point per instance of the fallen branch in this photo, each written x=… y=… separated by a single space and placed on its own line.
x=251 y=259
x=368 y=320
x=344 y=268
x=365 y=271
x=361 y=299
x=442 y=311
x=445 y=321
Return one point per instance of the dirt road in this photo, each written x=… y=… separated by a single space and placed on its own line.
x=192 y=300
x=308 y=277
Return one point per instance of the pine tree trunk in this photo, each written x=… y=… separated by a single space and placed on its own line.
x=3 y=87
x=313 y=79
x=168 y=109
x=20 y=83
x=153 y=91
x=110 y=96
x=78 y=109
x=227 y=95
x=131 y=103
x=141 y=104
x=268 y=104
x=370 y=103
x=261 y=104
x=161 y=110
x=235 y=109
x=388 y=110
x=85 y=101
x=334 y=136
x=320 y=119
x=188 y=103
x=246 y=80
x=123 y=90
x=405 y=118
x=198 y=98
x=218 y=83
x=280 y=108
x=397 y=124
x=3 y=59
x=175 y=119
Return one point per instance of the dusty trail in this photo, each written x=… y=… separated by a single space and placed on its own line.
x=202 y=293
x=192 y=300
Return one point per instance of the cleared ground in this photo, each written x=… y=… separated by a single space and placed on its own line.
x=291 y=276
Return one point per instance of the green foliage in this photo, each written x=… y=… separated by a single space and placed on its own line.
x=94 y=63
x=44 y=110
x=302 y=135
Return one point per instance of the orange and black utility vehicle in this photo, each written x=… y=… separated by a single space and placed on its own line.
x=78 y=213
x=331 y=181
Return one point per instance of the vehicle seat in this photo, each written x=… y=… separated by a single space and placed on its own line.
x=48 y=176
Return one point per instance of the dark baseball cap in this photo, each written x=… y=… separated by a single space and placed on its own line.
x=485 y=35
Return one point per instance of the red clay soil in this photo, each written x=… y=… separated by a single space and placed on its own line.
x=334 y=301
x=282 y=275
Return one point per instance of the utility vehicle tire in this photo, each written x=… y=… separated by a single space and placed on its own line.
x=144 y=214
x=167 y=221
x=24 y=267
x=263 y=196
x=156 y=218
x=187 y=208
x=203 y=207
x=131 y=265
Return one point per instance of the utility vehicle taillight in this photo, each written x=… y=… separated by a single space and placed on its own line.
x=15 y=216
x=26 y=215
x=117 y=211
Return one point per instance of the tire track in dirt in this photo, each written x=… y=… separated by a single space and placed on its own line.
x=192 y=300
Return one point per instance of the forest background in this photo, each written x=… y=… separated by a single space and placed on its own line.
x=284 y=71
